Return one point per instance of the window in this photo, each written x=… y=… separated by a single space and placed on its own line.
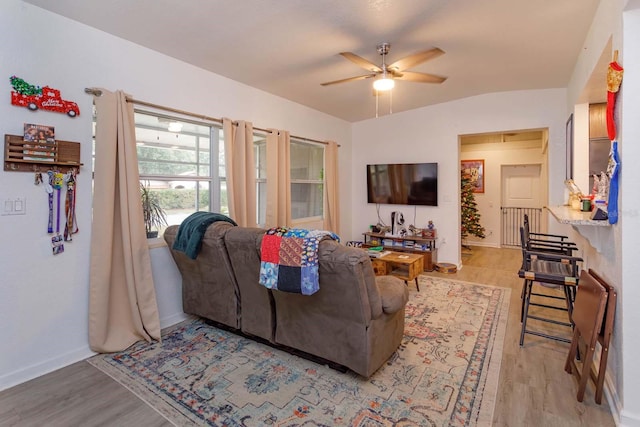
x=260 y=158
x=175 y=160
x=307 y=180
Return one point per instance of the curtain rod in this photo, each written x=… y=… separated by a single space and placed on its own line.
x=98 y=92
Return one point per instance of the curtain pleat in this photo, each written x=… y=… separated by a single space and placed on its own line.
x=278 y=179
x=122 y=298
x=240 y=171
x=331 y=190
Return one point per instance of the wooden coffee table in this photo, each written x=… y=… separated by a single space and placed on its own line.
x=405 y=266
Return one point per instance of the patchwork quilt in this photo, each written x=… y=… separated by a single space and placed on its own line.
x=289 y=259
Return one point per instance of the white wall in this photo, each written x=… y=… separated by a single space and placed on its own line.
x=430 y=134
x=44 y=299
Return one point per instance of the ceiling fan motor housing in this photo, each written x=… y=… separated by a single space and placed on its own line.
x=383 y=48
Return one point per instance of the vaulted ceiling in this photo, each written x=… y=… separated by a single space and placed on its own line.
x=289 y=47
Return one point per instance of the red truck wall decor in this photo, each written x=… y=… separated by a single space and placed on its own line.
x=45 y=98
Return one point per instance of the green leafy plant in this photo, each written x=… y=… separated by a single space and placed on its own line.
x=154 y=215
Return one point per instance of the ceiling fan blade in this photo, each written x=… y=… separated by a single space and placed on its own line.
x=410 y=76
x=361 y=62
x=415 y=59
x=350 y=79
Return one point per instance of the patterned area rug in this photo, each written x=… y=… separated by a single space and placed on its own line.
x=445 y=372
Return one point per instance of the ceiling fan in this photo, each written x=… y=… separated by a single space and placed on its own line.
x=386 y=74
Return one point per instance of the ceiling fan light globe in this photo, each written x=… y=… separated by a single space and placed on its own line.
x=383 y=84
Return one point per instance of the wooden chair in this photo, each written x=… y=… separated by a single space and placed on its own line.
x=588 y=315
x=604 y=337
x=553 y=270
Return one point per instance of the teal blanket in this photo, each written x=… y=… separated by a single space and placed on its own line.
x=192 y=229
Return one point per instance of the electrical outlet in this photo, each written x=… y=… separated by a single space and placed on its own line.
x=444 y=240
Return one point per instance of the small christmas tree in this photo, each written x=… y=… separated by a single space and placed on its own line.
x=469 y=210
x=24 y=88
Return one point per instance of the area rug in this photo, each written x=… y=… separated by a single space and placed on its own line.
x=445 y=372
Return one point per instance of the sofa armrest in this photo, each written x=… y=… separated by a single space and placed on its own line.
x=393 y=293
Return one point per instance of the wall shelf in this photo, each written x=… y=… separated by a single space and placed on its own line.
x=24 y=156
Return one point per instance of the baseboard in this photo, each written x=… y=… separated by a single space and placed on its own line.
x=612 y=398
x=173 y=319
x=45 y=367
x=628 y=419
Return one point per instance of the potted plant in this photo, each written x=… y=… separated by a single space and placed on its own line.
x=154 y=215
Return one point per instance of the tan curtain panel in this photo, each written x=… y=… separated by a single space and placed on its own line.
x=278 y=179
x=240 y=171
x=122 y=298
x=331 y=190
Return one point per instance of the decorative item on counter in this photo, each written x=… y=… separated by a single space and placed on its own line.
x=35 y=97
x=430 y=226
x=600 y=186
x=575 y=195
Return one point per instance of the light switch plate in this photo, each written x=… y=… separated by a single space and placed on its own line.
x=14 y=206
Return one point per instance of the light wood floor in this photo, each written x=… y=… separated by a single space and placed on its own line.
x=534 y=390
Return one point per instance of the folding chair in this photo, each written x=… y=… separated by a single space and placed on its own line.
x=604 y=337
x=554 y=243
x=588 y=315
x=552 y=270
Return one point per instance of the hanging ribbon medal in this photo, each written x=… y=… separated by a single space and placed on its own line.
x=71 y=225
x=56 y=241
x=48 y=187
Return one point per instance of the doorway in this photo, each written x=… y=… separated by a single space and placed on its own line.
x=516 y=176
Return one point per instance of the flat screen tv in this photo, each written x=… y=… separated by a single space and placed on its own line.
x=403 y=184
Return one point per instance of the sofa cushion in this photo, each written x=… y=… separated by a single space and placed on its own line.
x=393 y=293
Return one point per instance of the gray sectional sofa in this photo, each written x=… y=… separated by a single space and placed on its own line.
x=355 y=320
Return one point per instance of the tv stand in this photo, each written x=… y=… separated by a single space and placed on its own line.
x=424 y=246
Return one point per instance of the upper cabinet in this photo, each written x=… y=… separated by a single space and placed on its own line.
x=597 y=121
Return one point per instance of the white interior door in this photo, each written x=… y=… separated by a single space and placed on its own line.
x=521 y=188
